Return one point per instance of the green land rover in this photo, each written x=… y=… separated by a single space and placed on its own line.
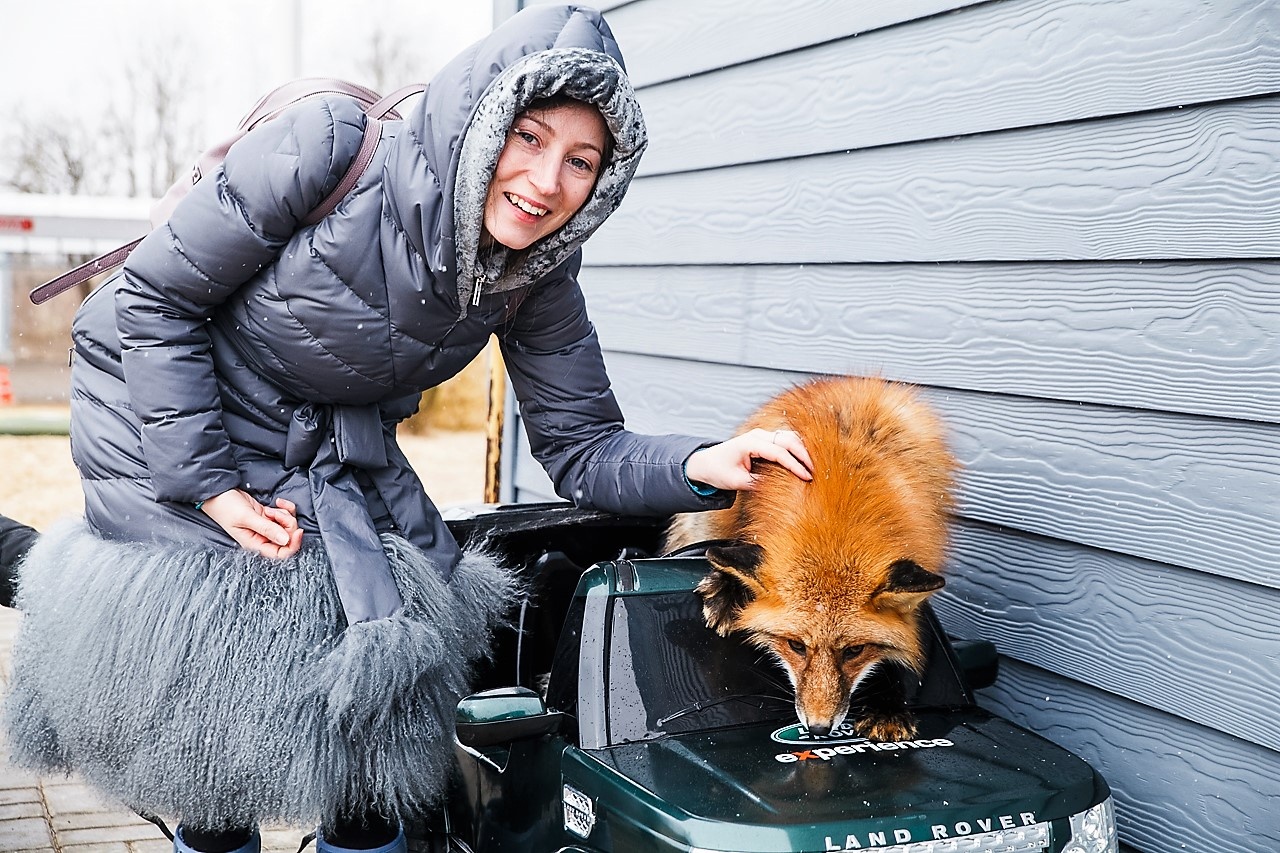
x=615 y=721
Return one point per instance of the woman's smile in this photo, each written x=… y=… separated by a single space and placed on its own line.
x=526 y=206
x=545 y=173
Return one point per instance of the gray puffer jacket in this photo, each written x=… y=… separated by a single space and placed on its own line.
x=241 y=349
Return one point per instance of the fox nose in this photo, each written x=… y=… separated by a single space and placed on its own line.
x=818 y=729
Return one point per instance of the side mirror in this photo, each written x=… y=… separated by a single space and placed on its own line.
x=502 y=715
x=979 y=662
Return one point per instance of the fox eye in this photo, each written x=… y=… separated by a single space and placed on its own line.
x=851 y=652
x=796 y=646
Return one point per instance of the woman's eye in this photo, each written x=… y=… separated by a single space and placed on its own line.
x=581 y=165
x=851 y=652
x=796 y=646
x=526 y=136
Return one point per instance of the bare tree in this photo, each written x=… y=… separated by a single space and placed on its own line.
x=52 y=154
x=151 y=128
x=389 y=63
x=137 y=146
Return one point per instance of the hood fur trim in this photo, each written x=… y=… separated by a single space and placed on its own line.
x=585 y=75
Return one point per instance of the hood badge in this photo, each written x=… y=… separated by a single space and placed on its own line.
x=579 y=812
x=796 y=733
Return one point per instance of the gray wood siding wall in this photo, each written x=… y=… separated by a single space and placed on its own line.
x=1061 y=218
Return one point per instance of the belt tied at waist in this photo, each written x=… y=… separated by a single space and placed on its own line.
x=330 y=442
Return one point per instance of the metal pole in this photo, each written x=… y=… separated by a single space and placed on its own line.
x=494 y=424
x=6 y=308
x=297 y=38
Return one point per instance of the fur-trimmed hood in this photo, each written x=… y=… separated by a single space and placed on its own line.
x=461 y=126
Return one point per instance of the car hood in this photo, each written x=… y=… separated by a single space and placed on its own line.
x=766 y=788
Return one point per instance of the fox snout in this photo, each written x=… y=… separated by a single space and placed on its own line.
x=824 y=685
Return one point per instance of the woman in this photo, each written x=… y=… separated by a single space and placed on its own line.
x=239 y=384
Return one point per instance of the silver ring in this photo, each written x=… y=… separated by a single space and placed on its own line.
x=775 y=436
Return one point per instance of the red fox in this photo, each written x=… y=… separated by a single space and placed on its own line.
x=828 y=575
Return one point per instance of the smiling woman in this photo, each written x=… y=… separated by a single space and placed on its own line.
x=546 y=171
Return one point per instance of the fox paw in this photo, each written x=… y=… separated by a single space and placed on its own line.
x=886 y=726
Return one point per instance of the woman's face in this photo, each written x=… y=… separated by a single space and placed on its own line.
x=545 y=172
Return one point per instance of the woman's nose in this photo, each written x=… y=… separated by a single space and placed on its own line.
x=544 y=174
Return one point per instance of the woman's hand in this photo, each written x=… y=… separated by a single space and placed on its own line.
x=728 y=465
x=270 y=531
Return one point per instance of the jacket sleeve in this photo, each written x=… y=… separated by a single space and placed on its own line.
x=574 y=424
x=231 y=225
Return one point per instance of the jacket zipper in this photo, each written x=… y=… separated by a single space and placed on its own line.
x=475 y=299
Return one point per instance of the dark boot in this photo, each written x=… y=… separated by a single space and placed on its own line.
x=237 y=841
x=348 y=839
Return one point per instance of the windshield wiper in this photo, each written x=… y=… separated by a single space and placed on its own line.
x=697 y=707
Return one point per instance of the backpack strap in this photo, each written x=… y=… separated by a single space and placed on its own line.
x=82 y=273
x=386 y=105
x=378 y=110
x=364 y=156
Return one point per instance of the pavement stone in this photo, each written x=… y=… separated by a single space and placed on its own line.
x=25 y=834
x=30 y=794
x=110 y=847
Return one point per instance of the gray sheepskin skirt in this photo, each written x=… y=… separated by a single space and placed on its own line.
x=224 y=689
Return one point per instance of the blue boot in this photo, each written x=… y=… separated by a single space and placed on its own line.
x=396 y=845
x=253 y=845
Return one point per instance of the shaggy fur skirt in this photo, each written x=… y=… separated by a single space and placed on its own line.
x=224 y=689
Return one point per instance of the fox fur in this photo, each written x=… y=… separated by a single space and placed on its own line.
x=828 y=575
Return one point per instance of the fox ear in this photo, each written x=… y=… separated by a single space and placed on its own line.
x=908 y=585
x=731 y=584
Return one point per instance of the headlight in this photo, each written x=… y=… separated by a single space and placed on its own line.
x=1094 y=830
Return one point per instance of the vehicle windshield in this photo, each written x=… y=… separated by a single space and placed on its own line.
x=669 y=673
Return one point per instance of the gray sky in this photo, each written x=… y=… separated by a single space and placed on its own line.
x=68 y=57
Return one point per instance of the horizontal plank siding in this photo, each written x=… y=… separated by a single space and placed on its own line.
x=1192 y=183
x=602 y=5
x=1200 y=647
x=1136 y=482
x=1177 y=786
x=1144 y=483
x=669 y=39
x=1200 y=338
x=993 y=67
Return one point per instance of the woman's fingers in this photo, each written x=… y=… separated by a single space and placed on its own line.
x=728 y=465
x=786 y=448
x=270 y=531
x=790 y=440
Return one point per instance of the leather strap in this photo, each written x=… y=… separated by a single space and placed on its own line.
x=51 y=288
x=386 y=106
x=364 y=156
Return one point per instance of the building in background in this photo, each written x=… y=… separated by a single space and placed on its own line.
x=1060 y=218
x=40 y=237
